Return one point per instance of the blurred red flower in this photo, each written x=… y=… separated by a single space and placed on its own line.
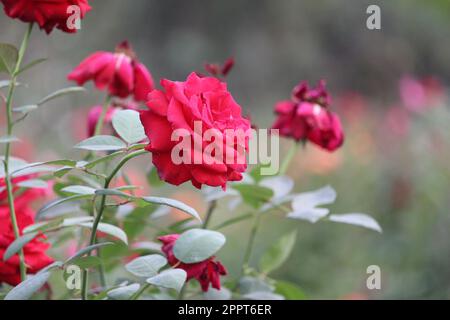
x=34 y=251
x=217 y=70
x=120 y=72
x=47 y=14
x=420 y=94
x=206 y=272
x=307 y=117
x=95 y=112
x=180 y=105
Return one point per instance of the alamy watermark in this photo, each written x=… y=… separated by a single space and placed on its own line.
x=74 y=18
x=373 y=21
x=373 y=281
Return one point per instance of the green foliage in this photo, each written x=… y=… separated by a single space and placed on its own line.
x=197 y=245
x=128 y=126
x=278 y=253
x=27 y=288
x=146 y=266
x=169 y=279
x=253 y=195
x=101 y=143
x=8 y=58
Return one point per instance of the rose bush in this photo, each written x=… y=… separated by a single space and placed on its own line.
x=102 y=204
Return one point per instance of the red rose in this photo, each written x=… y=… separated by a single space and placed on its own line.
x=206 y=272
x=48 y=14
x=120 y=72
x=307 y=117
x=34 y=251
x=185 y=105
x=23 y=198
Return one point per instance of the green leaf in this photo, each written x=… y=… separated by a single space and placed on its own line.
x=357 y=219
x=278 y=253
x=43 y=226
x=249 y=284
x=101 y=143
x=79 y=190
x=60 y=93
x=86 y=250
x=27 y=288
x=146 y=266
x=87 y=262
x=289 y=290
x=57 y=202
x=113 y=192
x=197 y=245
x=214 y=294
x=253 y=195
x=124 y=292
x=30 y=65
x=18 y=244
x=174 y=204
x=305 y=205
x=45 y=166
x=169 y=279
x=8 y=139
x=263 y=295
x=61 y=172
x=128 y=126
x=52 y=266
x=108 y=157
x=8 y=58
x=26 y=108
x=108 y=229
x=33 y=183
x=56 y=224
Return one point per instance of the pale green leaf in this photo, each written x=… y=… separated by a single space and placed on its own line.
x=146 y=266
x=197 y=245
x=8 y=58
x=128 y=126
x=101 y=143
x=169 y=279
x=27 y=288
x=278 y=253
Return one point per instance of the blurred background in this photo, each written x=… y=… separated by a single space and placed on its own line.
x=389 y=87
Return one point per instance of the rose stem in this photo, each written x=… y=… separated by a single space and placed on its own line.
x=10 y=125
x=98 y=217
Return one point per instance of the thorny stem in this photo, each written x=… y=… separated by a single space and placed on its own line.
x=99 y=215
x=10 y=125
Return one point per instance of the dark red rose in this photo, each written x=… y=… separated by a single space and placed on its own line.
x=34 y=251
x=307 y=117
x=185 y=105
x=217 y=70
x=25 y=197
x=119 y=72
x=206 y=272
x=48 y=14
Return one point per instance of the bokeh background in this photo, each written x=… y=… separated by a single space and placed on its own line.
x=389 y=87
